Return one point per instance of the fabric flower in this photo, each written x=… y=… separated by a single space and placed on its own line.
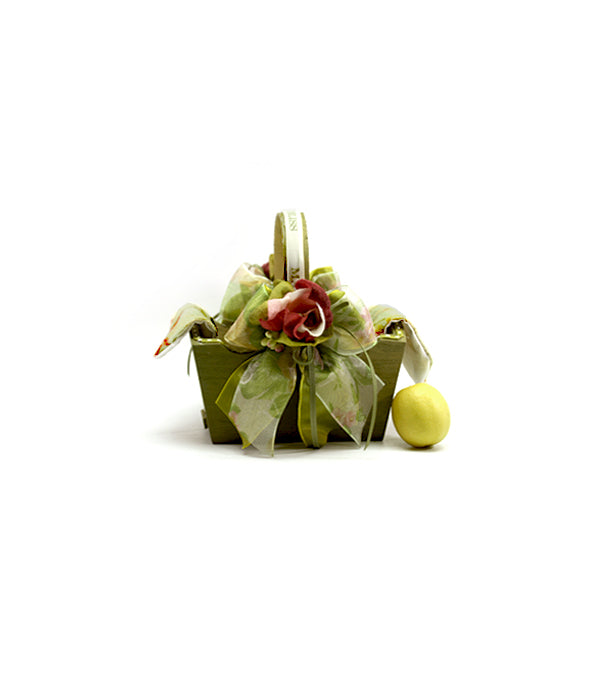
x=303 y=315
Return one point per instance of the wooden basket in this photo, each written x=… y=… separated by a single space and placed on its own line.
x=215 y=361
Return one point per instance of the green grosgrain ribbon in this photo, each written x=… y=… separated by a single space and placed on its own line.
x=336 y=388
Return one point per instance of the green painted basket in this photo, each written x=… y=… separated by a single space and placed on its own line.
x=215 y=362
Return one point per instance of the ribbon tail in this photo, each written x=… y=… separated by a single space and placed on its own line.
x=417 y=359
x=376 y=388
x=255 y=396
x=347 y=388
x=187 y=316
x=314 y=420
x=225 y=399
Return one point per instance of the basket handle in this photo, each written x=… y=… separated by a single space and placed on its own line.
x=291 y=246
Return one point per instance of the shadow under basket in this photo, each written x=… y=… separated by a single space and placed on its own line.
x=215 y=362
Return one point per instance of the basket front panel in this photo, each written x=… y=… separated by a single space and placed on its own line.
x=215 y=363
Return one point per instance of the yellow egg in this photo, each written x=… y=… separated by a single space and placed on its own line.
x=421 y=415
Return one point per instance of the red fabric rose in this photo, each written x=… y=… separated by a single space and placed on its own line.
x=302 y=315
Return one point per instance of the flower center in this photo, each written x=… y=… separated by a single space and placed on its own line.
x=314 y=323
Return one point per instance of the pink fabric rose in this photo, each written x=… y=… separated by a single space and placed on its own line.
x=302 y=315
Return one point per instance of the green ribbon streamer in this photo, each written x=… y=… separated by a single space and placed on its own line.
x=188 y=360
x=375 y=390
x=312 y=415
x=313 y=402
x=313 y=437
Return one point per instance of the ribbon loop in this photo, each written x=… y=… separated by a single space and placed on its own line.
x=242 y=286
x=255 y=396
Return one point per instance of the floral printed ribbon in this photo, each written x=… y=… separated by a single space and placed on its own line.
x=315 y=329
x=187 y=316
x=417 y=360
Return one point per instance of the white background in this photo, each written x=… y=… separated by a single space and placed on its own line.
x=447 y=158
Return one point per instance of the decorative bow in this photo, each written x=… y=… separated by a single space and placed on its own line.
x=315 y=330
